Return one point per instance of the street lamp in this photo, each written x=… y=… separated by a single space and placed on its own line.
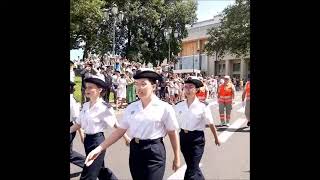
x=193 y=59
x=114 y=13
x=168 y=34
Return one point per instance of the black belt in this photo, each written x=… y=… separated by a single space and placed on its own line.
x=71 y=123
x=147 y=141
x=188 y=131
x=95 y=135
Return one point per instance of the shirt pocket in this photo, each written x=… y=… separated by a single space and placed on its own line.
x=198 y=115
x=96 y=120
x=96 y=116
x=179 y=114
x=155 y=119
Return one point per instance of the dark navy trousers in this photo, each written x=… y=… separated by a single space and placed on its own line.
x=75 y=157
x=96 y=169
x=192 y=147
x=147 y=159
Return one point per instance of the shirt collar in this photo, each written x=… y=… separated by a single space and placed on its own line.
x=87 y=105
x=195 y=102
x=154 y=99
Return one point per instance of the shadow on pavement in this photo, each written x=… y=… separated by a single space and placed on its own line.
x=242 y=129
x=75 y=174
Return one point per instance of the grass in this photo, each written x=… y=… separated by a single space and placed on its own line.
x=77 y=92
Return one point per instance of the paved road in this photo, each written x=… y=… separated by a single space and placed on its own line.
x=229 y=161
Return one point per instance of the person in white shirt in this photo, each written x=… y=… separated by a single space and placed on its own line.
x=122 y=90
x=147 y=121
x=171 y=90
x=95 y=116
x=114 y=88
x=176 y=88
x=193 y=116
x=75 y=157
x=214 y=87
x=181 y=92
x=72 y=75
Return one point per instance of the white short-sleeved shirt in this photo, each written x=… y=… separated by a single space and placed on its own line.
x=194 y=117
x=97 y=118
x=176 y=88
x=74 y=108
x=150 y=123
x=72 y=75
x=122 y=82
x=115 y=80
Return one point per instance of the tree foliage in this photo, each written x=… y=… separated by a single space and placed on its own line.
x=86 y=18
x=140 y=35
x=233 y=35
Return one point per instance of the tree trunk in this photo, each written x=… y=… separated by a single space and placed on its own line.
x=129 y=37
x=85 y=53
x=129 y=41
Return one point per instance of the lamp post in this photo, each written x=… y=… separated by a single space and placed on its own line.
x=168 y=34
x=114 y=13
x=193 y=59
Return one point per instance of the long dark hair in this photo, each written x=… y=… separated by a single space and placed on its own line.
x=72 y=89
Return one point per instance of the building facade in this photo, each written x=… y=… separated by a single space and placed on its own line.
x=193 y=55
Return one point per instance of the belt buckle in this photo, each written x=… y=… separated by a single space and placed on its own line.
x=136 y=140
x=185 y=131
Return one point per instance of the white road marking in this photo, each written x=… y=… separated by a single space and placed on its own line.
x=241 y=110
x=223 y=137
x=179 y=174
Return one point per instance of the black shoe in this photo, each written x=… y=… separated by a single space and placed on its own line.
x=248 y=123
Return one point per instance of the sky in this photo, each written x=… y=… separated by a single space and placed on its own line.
x=209 y=8
x=206 y=10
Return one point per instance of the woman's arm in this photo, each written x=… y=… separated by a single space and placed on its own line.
x=74 y=127
x=114 y=137
x=176 y=149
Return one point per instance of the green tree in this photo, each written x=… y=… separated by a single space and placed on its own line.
x=86 y=18
x=217 y=43
x=140 y=35
x=233 y=35
x=141 y=32
x=236 y=23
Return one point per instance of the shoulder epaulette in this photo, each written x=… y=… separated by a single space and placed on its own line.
x=134 y=101
x=179 y=102
x=204 y=102
x=107 y=104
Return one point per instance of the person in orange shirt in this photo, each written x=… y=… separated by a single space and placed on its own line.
x=226 y=93
x=202 y=94
x=246 y=95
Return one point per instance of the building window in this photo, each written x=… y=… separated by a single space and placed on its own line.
x=236 y=67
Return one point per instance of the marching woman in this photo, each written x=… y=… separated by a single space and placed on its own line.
x=75 y=157
x=193 y=116
x=95 y=116
x=147 y=120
